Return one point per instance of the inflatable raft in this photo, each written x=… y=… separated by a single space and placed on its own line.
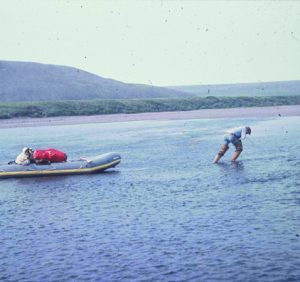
x=83 y=166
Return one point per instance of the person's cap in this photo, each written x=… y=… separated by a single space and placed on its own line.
x=248 y=130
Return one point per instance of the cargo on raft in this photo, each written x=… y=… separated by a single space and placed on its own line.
x=82 y=166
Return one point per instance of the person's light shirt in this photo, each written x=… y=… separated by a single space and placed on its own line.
x=239 y=132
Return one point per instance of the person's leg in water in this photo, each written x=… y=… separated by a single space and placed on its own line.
x=238 y=149
x=222 y=150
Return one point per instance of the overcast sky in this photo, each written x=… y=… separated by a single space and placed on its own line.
x=158 y=42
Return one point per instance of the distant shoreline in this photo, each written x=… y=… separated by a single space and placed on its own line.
x=250 y=112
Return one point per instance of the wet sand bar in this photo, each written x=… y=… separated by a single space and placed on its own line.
x=180 y=115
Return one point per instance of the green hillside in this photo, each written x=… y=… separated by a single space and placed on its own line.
x=262 y=89
x=21 y=82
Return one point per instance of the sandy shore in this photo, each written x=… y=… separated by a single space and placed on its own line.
x=199 y=114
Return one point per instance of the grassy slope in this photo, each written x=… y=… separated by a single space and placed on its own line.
x=66 y=91
x=20 y=81
x=278 y=88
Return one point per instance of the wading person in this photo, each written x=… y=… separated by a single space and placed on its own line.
x=233 y=136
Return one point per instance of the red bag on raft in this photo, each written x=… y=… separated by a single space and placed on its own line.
x=50 y=155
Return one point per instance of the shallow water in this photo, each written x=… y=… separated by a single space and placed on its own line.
x=164 y=214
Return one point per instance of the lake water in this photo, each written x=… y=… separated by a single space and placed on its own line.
x=165 y=213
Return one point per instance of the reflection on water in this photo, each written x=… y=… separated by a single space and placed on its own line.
x=165 y=214
x=237 y=166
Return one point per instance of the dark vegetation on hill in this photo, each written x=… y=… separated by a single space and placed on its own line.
x=99 y=107
x=20 y=82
